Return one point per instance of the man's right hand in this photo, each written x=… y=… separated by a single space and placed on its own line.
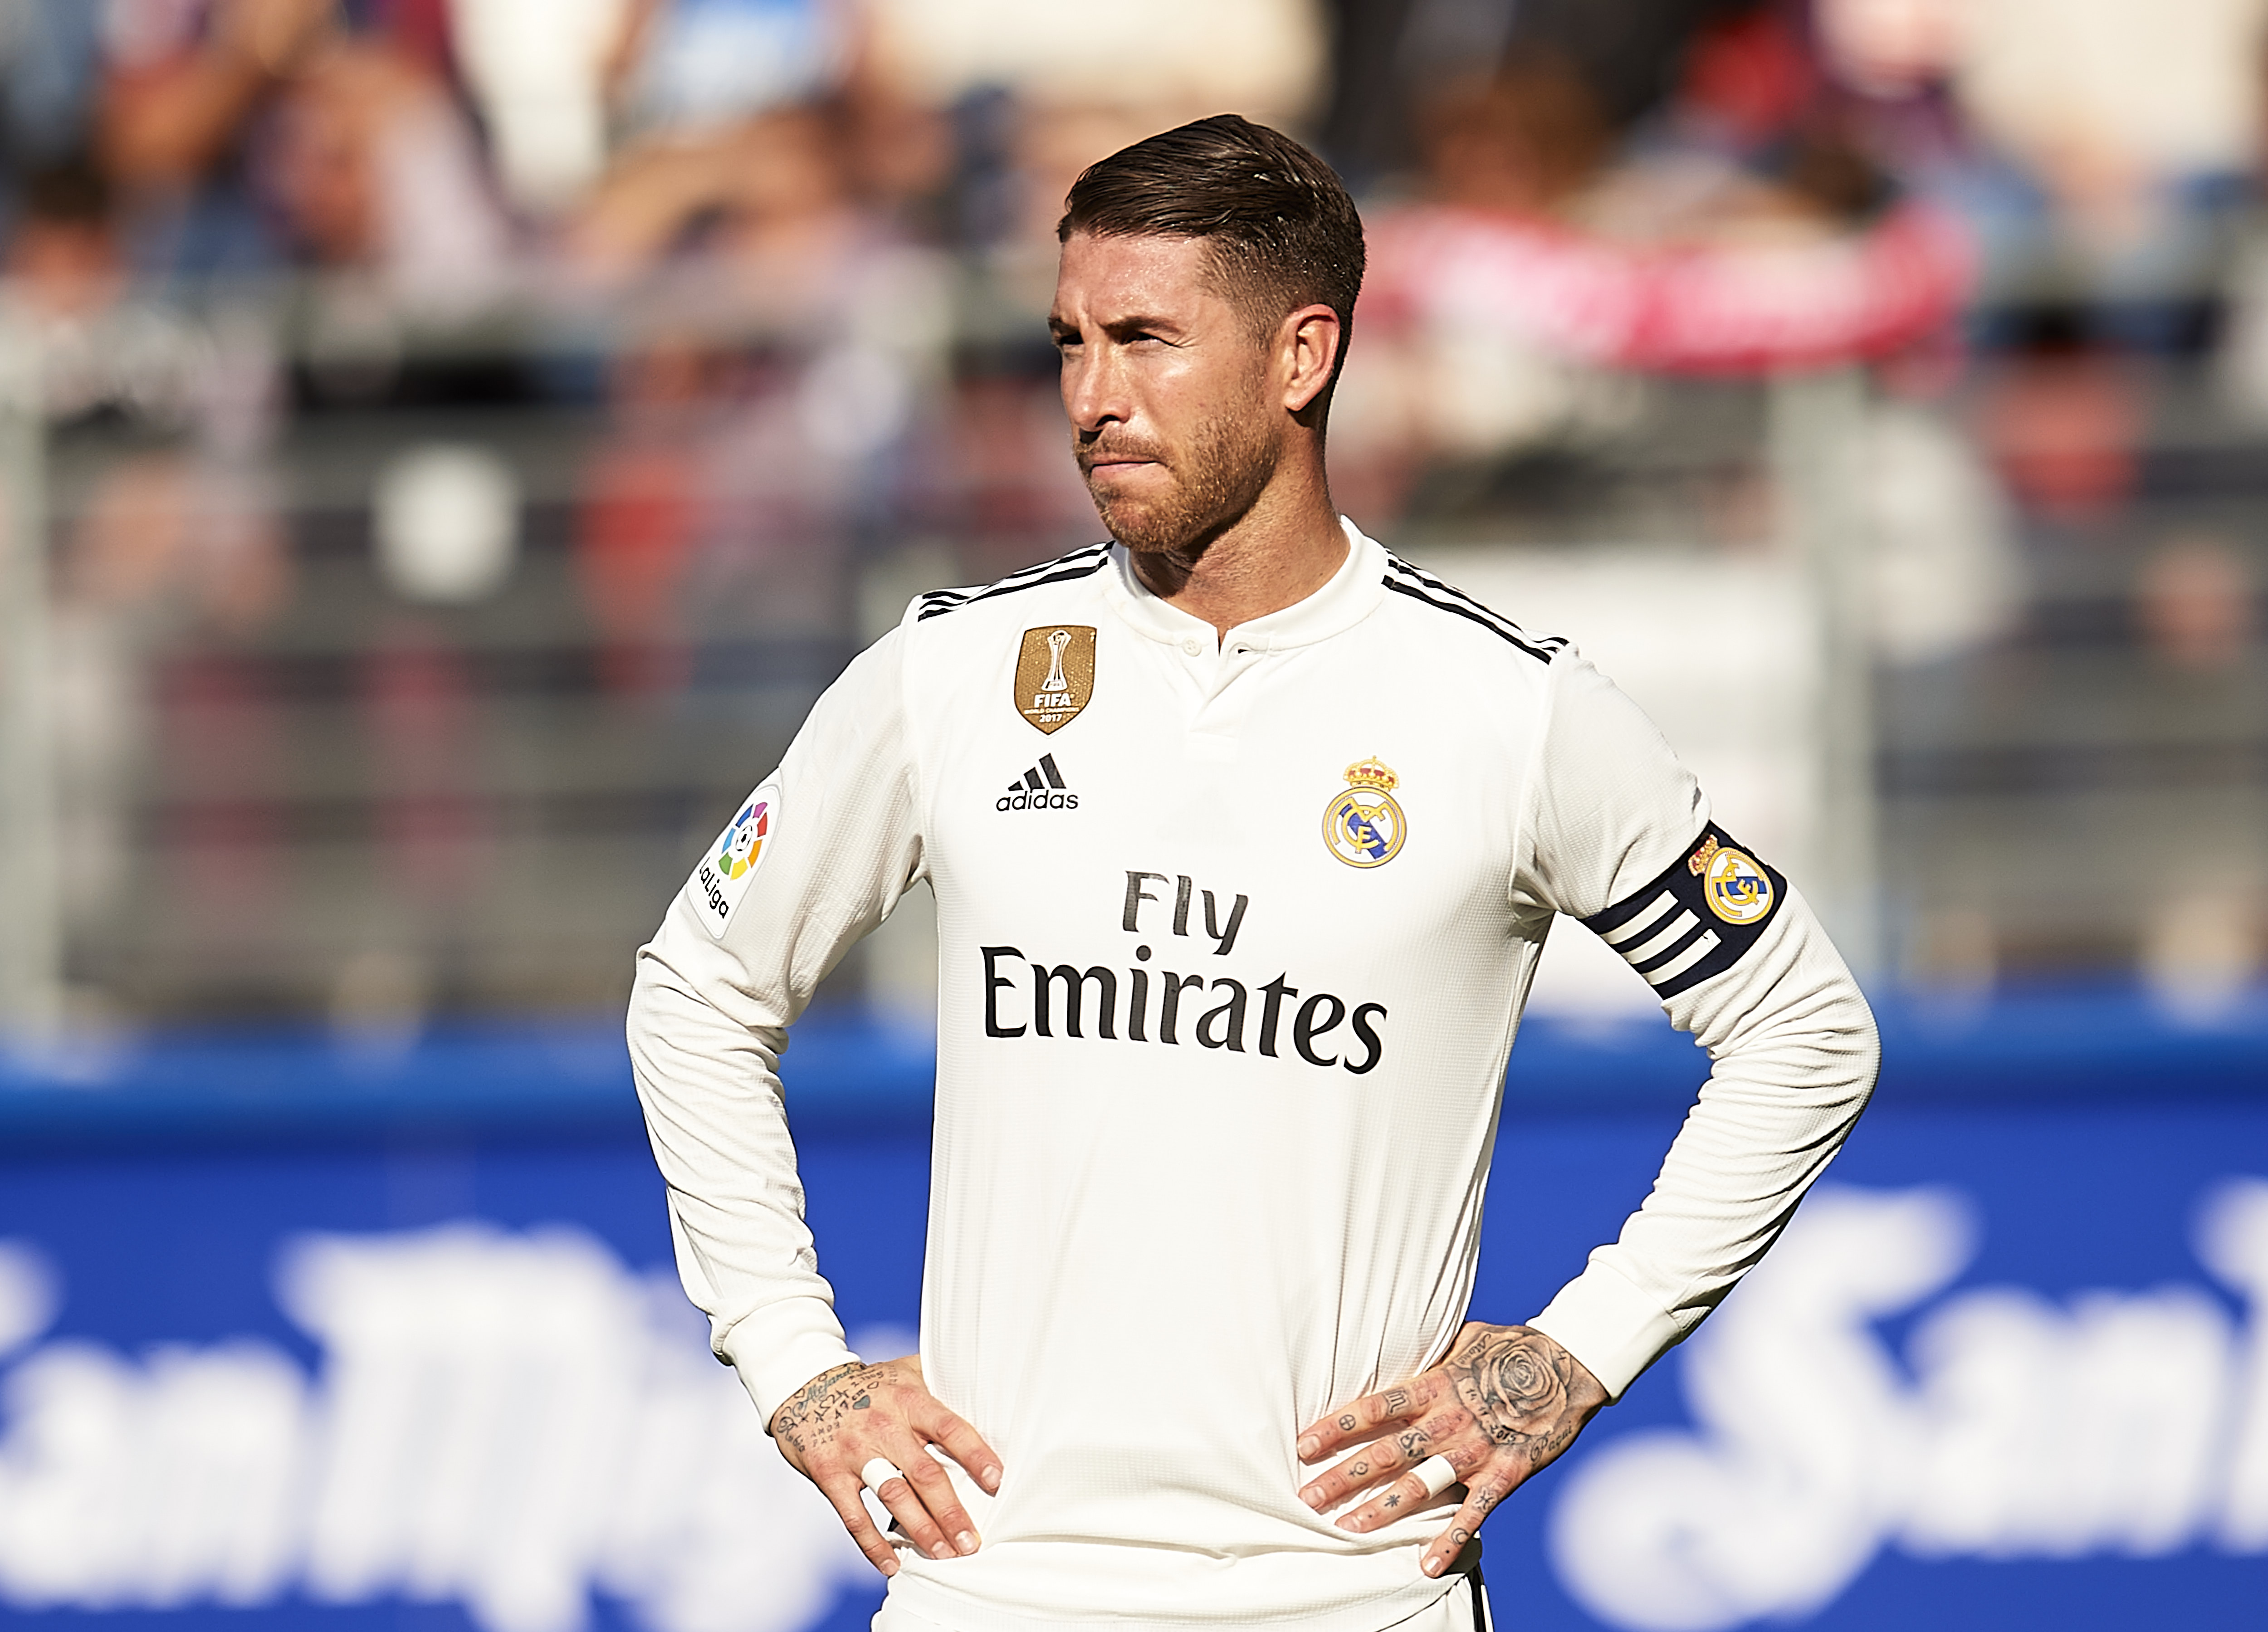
x=843 y=1419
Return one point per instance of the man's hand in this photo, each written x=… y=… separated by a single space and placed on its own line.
x=843 y=1419
x=1507 y=1401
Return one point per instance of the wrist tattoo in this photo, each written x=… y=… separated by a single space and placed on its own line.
x=1523 y=1390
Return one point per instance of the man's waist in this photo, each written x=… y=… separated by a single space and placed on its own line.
x=1041 y=1583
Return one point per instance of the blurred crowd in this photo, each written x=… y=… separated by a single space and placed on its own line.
x=836 y=209
x=786 y=259
x=825 y=211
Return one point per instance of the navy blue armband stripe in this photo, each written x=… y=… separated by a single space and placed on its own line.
x=1697 y=919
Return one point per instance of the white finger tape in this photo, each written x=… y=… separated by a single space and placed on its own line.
x=881 y=1470
x=1435 y=1474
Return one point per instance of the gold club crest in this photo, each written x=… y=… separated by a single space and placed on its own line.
x=1055 y=675
x=1362 y=825
x=1736 y=888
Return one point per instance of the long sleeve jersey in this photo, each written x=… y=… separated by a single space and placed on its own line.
x=1234 y=937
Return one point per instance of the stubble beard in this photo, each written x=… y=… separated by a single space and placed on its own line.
x=1228 y=464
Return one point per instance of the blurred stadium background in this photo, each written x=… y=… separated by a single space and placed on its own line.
x=447 y=444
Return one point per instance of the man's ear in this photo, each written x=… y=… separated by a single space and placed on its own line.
x=1308 y=343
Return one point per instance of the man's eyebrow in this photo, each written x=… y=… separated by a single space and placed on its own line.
x=1154 y=323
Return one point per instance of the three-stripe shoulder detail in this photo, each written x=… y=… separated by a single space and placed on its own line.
x=1404 y=579
x=1080 y=564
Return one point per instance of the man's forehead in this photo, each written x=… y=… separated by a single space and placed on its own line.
x=1115 y=275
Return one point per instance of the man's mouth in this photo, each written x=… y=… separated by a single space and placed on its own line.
x=1092 y=459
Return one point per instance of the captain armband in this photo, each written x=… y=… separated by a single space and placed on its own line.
x=1697 y=919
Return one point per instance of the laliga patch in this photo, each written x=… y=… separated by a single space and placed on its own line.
x=1055 y=675
x=726 y=872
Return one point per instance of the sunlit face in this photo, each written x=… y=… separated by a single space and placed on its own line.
x=1167 y=389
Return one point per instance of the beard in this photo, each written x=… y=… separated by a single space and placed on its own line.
x=1227 y=464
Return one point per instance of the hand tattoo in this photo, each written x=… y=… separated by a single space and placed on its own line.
x=1521 y=1388
x=813 y=1414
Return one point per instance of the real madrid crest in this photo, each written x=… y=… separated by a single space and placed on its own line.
x=1055 y=675
x=1363 y=825
x=1736 y=887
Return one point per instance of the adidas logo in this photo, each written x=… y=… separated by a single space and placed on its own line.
x=1038 y=788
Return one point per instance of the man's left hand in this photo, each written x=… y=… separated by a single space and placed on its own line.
x=1506 y=1402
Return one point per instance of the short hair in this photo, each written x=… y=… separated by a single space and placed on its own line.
x=1283 y=230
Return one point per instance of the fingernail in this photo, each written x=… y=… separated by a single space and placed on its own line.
x=943 y=1549
x=1313 y=1498
x=1432 y=1565
x=990 y=1479
x=1308 y=1447
x=968 y=1541
x=889 y=1569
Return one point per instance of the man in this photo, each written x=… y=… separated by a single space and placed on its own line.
x=1245 y=837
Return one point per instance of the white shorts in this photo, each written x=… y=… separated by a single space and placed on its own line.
x=1463 y=1608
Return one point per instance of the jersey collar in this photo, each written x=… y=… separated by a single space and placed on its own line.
x=1353 y=591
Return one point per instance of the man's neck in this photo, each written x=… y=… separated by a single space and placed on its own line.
x=1277 y=554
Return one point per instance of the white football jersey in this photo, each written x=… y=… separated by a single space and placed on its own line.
x=1233 y=940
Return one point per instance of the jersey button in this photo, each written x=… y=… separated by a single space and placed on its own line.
x=1191 y=647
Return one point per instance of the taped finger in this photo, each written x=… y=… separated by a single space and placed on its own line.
x=1435 y=1474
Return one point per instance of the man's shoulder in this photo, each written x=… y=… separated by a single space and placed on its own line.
x=1031 y=589
x=1440 y=613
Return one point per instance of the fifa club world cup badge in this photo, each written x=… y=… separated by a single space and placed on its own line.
x=1736 y=888
x=1363 y=825
x=1055 y=675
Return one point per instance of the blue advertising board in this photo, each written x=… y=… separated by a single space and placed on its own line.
x=295 y=1334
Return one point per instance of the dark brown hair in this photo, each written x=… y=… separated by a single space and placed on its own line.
x=1283 y=231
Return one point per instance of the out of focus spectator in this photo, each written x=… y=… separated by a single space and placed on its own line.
x=2204 y=930
x=640 y=514
x=50 y=51
x=537 y=69
x=770 y=192
x=2195 y=601
x=185 y=81
x=101 y=351
x=1548 y=247
x=373 y=170
x=172 y=550
x=2108 y=141
x=689 y=66
x=2063 y=420
x=1073 y=95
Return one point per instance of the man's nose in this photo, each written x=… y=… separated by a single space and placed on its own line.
x=1093 y=389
